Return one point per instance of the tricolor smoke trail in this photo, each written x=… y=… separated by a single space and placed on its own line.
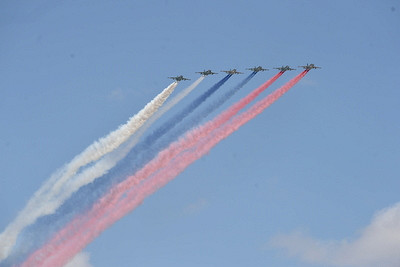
x=195 y=147
x=144 y=151
x=162 y=136
x=84 y=198
x=147 y=150
x=89 y=174
x=52 y=187
x=76 y=235
x=204 y=132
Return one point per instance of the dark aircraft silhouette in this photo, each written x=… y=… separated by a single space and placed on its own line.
x=232 y=71
x=284 y=68
x=179 y=78
x=309 y=67
x=257 y=69
x=206 y=72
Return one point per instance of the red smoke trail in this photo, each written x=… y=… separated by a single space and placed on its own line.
x=76 y=235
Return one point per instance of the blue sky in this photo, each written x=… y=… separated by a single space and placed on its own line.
x=321 y=161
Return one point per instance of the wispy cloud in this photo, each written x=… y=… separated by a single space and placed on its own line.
x=377 y=245
x=80 y=260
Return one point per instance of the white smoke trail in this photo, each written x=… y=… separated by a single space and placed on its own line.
x=52 y=187
x=168 y=106
x=116 y=138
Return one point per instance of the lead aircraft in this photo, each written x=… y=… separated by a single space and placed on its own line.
x=179 y=78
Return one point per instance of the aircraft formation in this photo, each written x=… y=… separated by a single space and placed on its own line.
x=254 y=69
x=157 y=159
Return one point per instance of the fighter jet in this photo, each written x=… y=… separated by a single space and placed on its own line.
x=232 y=71
x=257 y=69
x=179 y=78
x=206 y=72
x=309 y=67
x=284 y=68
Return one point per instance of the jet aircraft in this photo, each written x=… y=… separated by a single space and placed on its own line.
x=309 y=67
x=257 y=69
x=284 y=68
x=232 y=71
x=206 y=72
x=179 y=78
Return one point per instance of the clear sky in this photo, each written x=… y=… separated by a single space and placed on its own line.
x=320 y=162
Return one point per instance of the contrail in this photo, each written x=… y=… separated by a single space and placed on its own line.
x=35 y=207
x=77 y=234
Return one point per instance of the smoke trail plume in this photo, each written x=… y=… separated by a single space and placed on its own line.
x=85 y=228
x=35 y=209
